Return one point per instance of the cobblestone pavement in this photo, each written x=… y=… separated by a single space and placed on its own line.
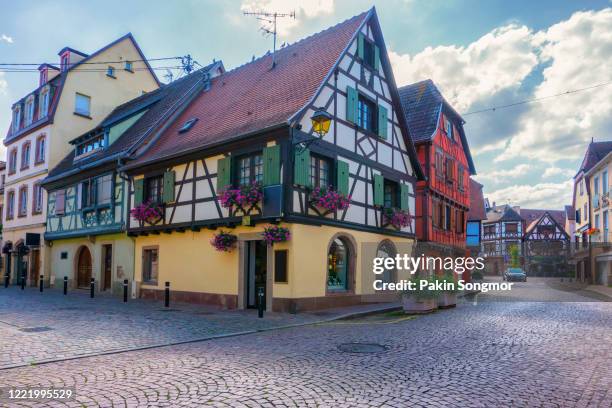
x=80 y=326
x=481 y=354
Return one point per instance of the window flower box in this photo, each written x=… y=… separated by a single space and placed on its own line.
x=224 y=242
x=329 y=199
x=395 y=217
x=147 y=213
x=276 y=234
x=244 y=197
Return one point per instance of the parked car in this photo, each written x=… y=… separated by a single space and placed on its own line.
x=515 y=274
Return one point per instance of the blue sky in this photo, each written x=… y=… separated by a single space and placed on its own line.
x=480 y=53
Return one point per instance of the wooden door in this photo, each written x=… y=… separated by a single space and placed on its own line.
x=84 y=268
x=35 y=271
x=107 y=266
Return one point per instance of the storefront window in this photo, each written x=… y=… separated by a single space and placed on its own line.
x=338 y=265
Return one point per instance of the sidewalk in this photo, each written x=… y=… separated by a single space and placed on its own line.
x=603 y=290
x=56 y=327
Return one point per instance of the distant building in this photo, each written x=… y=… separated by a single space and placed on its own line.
x=546 y=245
x=475 y=217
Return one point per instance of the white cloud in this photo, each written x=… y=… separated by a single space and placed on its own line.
x=6 y=39
x=504 y=175
x=498 y=60
x=557 y=171
x=303 y=10
x=578 y=54
x=541 y=195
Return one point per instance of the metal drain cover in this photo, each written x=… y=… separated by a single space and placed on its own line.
x=362 y=348
x=35 y=329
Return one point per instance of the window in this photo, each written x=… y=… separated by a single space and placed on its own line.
x=43 y=103
x=439 y=163
x=578 y=216
x=40 y=149
x=459 y=220
x=596 y=185
x=280 y=266
x=110 y=72
x=581 y=184
x=104 y=186
x=250 y=169
x=390 y=194
x=435 y=213
x=489 y=230
x=511 y=228
x=596 y=220
x=29 y=111
x=320 y=175
x=128 y=66
x=447 y=218
x=460 y=179
x=25 y=155
x=585 y=212
x=37 y=200
x=338 y=265
x=88 y=194
x=153 y=189
x=489 y=248
x=386 y=249
x=150 y=265
x=10 y=205
x=60 y=202
x=449 y=129
x=605 y=226
x=188 y=125
x=604 y=182
x=23 y=201
x=449 y=170
x=366 y=114
x=16 y=118
x=368 y=53
x=13 y=161
x=98 y=142
x=82 y=104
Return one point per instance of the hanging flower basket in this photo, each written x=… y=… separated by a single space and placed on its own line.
x=224 y=242
x=147 y=212
x=592 y=231
x=396 y=217
x=245 y=196
x=329 y=199
x=276 y=234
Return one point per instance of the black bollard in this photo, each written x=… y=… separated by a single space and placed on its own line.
x=260 y=302
x=91 y=289
x=23 y=281
x=7 y=277
x=125 y=290
x=40 y=283
x=65 y=285
x=167 y=295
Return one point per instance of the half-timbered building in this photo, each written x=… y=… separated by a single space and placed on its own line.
x=443 y=199
x=546 y=246
x=245 y=156
x=502 y=230
x=87 y=211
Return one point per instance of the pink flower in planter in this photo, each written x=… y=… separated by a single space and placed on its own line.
x=244 y=196
x=396 y=217
x=329 y=199
x=146 y=212
x=276 y=234
x=224 y=242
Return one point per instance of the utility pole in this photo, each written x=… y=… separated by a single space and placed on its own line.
x=270 y=18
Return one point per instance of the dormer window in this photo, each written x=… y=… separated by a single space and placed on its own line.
x=64 y=61
x=110 y=72
x=43 y=76
x=96 y=143
x=449 y=129
x=128 y=66
x=43 y=103
x=16 y=118
x=188 y=125
x=29 y=111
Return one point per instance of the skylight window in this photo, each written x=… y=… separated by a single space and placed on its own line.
x=188 y=125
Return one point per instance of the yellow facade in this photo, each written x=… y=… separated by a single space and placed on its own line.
x=192 y=265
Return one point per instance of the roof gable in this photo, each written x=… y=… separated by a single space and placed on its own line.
x=547 y=219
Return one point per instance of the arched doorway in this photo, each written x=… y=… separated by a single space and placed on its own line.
x=84 y=268
x=386 y=249
x=340 y=264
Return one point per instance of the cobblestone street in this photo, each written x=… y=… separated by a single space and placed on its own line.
x=482 y=353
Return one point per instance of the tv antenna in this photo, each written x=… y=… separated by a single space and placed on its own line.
x=169 y=75
x=270 y=18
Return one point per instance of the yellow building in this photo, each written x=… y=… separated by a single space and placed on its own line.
x=245 y=157
x=70 y=99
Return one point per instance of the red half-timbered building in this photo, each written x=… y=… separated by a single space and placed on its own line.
x=443 y=199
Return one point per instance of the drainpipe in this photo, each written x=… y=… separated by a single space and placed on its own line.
x=123 y=176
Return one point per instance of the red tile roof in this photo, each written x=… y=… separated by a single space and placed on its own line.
x=531 y=216
x=477 y=207
x=255 y=96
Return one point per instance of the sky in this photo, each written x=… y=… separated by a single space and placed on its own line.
x=480 y=54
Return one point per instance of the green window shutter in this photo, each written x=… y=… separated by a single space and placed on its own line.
x=360 y=45
x=138 y=191
x=379 y=190
x=376 y=58
x=301 y=171
x=168 y=189
x=224 y=173
x=382 y=121
x=403 y=196
x=351 y=104
x=342 y=177
x=271 y=162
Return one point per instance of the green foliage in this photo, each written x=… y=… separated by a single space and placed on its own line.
x=515 y=261
x=447 y=279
